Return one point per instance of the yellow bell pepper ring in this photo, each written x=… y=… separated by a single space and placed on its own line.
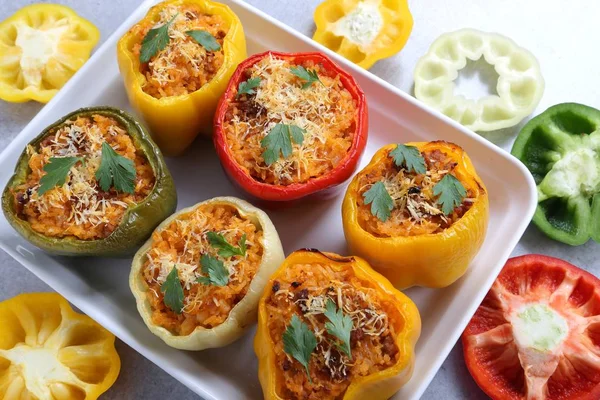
x=48 y=351
x=309 y=285
x=519 y=89
x=363 y=31
x=42 y=46
x=176 y=119
x=431 y=248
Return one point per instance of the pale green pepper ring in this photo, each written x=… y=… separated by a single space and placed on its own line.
x=520 y=82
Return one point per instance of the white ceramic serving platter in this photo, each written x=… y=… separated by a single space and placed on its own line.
x=99 y=287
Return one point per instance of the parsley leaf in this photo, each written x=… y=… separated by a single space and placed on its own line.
x=279 y=140
x=299 y=342
x=410 y=156
x=116 y=170
x=242 y=244
x=173 y=291
x=226 y=250
x=248 y=87
x=339 y=325
x=155 y=40
x=306 y=75
x=57 y=171
x=205 y=39
x=218 y=275
x=451 y=193
x=380 y=200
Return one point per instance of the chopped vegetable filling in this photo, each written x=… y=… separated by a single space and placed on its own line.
x=215 y=253
x=417 y=201
x=290 y=123
x=62 y=196
x=353 y=323
x=186 y=63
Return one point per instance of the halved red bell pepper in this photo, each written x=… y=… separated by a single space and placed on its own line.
x=536 y=336
x=340 y=173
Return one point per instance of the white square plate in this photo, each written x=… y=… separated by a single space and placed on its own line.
x=99 y=287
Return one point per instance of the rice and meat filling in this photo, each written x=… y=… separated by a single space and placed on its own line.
x=325 y=110
x=415 y=211
x=80 y=208
x=184 y=65
x=304 y=290
x=181 y=245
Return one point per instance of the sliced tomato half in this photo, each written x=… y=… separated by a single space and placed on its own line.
x=536 y=335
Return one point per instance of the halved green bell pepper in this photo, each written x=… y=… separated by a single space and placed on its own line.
x=139 y=220
x=561 y=148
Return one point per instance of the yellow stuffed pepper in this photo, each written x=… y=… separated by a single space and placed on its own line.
x=363 y=31
x=330 y=327
x=176 y=64
x=418 y=213
x=48 y=351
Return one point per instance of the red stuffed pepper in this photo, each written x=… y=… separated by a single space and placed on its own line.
x=290 y=125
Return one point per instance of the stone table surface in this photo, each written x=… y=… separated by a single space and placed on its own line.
x=562 y=37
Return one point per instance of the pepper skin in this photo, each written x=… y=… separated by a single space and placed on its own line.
x=137 y=222
x=561 y=149
x=49 y=351
x=363 y=31
x=243 y=314
x=42 y=46
x=336 y=176
x=378 y=386
x=175 y=121
x=431 y=260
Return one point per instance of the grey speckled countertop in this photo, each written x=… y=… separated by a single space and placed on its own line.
x=562 y=38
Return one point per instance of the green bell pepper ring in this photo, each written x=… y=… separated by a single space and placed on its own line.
x=137 y=222
x=561 y=148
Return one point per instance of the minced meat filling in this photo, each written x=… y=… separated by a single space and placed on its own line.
x=304 y=290
x=415 y=211
x=181 y=245
x=184 y=65
x=325 y=110
x=80 y=208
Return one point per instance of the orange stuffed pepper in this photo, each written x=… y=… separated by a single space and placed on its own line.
x=176 y=64
x=418 y=213
x=330 y=327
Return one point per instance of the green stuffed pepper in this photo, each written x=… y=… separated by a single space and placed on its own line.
x=91 y=184
x=561 y=148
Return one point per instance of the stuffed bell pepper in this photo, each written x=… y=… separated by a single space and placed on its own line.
x=48 y=351
x=290 y=125
x=91 y=184
x=536 y=335
x=176 y=63
x=418 y=213
x=197 y=281
x=329 y=327
x=561 y=148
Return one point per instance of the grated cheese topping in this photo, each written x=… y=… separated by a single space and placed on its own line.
x=327 y=112
x=184 y=65
x=304 y=290
x=416 y=211
x=80 y=208
x=180 y=245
